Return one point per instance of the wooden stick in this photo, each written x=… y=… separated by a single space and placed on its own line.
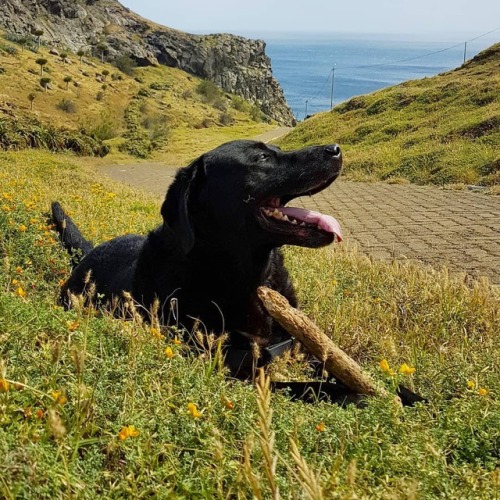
x=335 y=360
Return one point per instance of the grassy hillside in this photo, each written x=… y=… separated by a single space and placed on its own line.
x=153 y=113
x=439 y=130
x=92 y=406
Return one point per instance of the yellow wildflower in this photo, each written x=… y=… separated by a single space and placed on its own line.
x=176 y=341
x=128 y=431
x=169 y=353
x=406 y=370
x=22 y=228
x=59 y=397
x=72 y=325
x=321 y=427
x=384 y=366
x=15 y=282
x=482 y=391
x=20 y=292
x=19 y=269
x=471 y=384
x=4 y=385
x=228 y=403
x=193 y=410
x=156 y=333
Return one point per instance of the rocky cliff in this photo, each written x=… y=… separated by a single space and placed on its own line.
x=234 y=63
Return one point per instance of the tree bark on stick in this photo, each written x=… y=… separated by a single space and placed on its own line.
x=335 y=360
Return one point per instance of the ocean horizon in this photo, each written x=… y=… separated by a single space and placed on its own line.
x=304 y=63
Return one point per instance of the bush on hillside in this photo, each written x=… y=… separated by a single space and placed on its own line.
x=226 y=119
x=103 y=128
x=208 y=90
x=24 y=133
x=239 y=104
x=125 y=64
x=67 y=106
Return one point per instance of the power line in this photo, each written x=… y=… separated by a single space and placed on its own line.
x=423 y=55
x=332 y=71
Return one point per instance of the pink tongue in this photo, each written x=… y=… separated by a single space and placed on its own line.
x=324 y=222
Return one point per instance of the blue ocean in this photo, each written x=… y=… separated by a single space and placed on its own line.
x=304 y=64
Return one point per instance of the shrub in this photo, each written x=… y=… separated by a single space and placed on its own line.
x=207 y=123
x=160 y=86
x=226 y=119
x=8 y=49
x=67 y=106
x=125 y=64
x=256 y=114
x=220 y=104
x=25 y=133
x=104 y=128
x=239 y=104
x=99 y=96
x=351 y=105
x=208 y=90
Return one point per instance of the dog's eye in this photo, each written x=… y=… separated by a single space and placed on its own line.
x=263 y=156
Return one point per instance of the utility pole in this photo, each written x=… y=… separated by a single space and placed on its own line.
x=331 y=93
x=465 y=51
x=305 y=114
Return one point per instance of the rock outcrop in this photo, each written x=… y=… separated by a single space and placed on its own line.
x=236 y=64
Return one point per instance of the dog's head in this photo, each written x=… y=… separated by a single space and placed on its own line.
x=237 y=194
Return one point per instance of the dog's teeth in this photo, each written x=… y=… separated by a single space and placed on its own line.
x=293 y=221
x=285 y=217
x=302 y=223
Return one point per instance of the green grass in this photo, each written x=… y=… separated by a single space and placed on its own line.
x=439 y=130
x=70 y=382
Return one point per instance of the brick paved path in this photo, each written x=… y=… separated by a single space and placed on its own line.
x=458 y=229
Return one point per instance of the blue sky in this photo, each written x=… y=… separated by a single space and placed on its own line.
x=420 y=17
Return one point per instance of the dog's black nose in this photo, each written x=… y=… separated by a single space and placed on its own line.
x=333 y=149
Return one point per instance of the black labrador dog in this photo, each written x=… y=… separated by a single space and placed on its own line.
x=224 y=221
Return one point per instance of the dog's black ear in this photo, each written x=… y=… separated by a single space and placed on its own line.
x=176 y=207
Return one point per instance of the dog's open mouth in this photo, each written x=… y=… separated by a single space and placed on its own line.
x=299 y=221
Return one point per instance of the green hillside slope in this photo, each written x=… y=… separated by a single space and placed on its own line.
x=156 y=112
x=439 y=130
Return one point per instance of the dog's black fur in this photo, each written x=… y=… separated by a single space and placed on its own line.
x=216 y=244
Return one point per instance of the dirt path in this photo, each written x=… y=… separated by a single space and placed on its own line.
x=458 y=229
